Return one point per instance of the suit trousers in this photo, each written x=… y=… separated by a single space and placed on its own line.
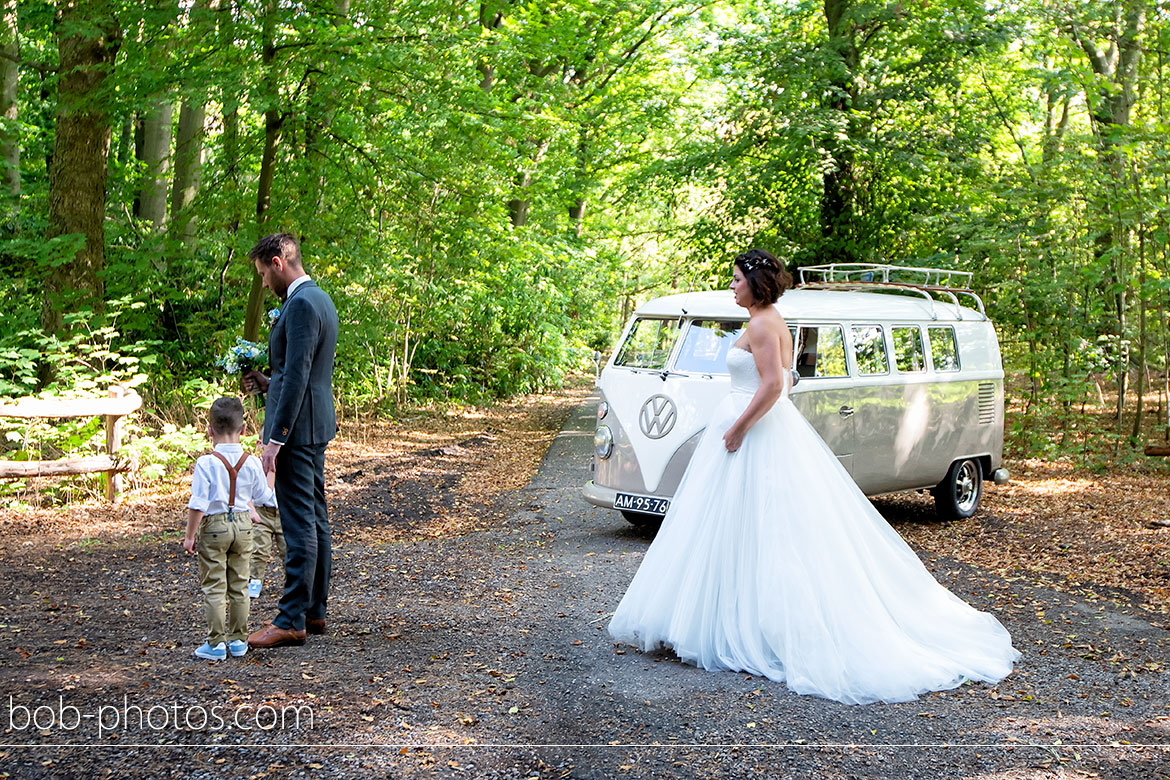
x=308 y=561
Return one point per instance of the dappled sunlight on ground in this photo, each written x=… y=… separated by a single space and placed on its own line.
x=1074 y=528
x=1057 y=486
x=487 y=451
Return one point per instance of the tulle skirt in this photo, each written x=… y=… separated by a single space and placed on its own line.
x=771 y=561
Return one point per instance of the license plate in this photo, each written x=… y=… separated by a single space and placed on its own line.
x=648 y=505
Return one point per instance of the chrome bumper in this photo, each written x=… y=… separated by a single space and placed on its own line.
x=597 y=495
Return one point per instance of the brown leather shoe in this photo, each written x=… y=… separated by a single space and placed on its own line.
x=270 y=635
x=315 y=625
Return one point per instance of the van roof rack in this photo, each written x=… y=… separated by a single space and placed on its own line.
x=900 y=279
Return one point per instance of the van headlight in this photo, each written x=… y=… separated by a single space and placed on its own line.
x=602 y=409
x=603 y=441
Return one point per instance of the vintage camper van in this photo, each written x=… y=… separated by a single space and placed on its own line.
x=898 y=369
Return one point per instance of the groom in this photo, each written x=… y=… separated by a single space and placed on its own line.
x=299 y=421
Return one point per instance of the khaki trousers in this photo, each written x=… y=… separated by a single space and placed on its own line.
x=225 y=549
x=264 y=534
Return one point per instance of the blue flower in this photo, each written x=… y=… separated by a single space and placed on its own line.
x=243 y=356
x=273 y=316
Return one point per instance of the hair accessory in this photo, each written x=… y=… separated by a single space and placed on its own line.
x=751 y=261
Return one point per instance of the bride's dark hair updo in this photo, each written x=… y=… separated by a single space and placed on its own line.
x=765 y=275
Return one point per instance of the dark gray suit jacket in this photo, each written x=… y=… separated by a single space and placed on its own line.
x=299 y=407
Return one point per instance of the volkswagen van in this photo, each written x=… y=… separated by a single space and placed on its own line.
x=897 y=368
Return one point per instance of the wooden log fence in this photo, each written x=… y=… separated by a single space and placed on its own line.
x=113 y=408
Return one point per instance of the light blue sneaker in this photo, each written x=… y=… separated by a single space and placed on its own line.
x=216 y=653
x=237 y=647
x=254 y=588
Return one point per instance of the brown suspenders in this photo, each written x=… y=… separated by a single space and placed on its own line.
x=232 y=472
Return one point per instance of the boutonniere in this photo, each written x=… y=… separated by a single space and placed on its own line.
x=273 y=316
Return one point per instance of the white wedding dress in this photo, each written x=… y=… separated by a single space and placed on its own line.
x=771 y=561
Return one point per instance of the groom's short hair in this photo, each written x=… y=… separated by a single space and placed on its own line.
x=226 y=415
x=282 y=245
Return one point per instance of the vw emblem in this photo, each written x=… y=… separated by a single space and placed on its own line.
x=657 y=417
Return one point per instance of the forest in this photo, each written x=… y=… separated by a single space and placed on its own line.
x=487 y=188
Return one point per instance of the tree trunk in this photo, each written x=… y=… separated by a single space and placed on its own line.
x=837 y=198
x=1141 y=374
x=1122 y=348
x=139 y=146
x=273 y=122
x=87 y=44
x=319 y=113
x=231 y=142
x=1165 y=322
x=157 y=130
x=188 y=169
x=9 y=133
x=518 y=206
x=189 y=140
x=1117 y=68
x=1054 y=130
x=124 y=149
x=577 y=203
x=490 y=18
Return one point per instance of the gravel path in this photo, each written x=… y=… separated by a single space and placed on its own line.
x=486 y=655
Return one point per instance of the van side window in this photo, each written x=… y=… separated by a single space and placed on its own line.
x=909 y=355
x=869 y=350
x=649 y=344
x=943 y=348
x=820 y=351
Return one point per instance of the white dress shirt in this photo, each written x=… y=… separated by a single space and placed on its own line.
x=210 y=484
x=295 y=284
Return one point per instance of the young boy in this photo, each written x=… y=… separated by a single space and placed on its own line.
x=266 y=534
x=219 y=526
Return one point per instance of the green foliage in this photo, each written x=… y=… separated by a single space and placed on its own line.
x=170 y=449
x=489 y=189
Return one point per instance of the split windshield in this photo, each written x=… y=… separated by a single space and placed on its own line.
x=703 y=350
x=649 y=344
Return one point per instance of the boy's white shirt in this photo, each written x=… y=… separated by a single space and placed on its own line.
x=210 y=484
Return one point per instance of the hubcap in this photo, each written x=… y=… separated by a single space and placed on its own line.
x=966 y=486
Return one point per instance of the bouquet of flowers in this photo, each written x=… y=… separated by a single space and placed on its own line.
x=243 y=356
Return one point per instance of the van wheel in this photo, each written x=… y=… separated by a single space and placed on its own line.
x=643 y=521
x=957 y=496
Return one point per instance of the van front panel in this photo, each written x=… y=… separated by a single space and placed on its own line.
x=658 y=414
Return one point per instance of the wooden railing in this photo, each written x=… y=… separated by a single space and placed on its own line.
x=119 y=404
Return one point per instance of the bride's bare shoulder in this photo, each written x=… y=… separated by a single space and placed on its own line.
x=769 y=322
x=765 y=329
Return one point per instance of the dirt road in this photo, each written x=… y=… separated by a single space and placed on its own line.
x=485 y=655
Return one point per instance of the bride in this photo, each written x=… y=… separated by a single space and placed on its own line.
x=771 y=561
